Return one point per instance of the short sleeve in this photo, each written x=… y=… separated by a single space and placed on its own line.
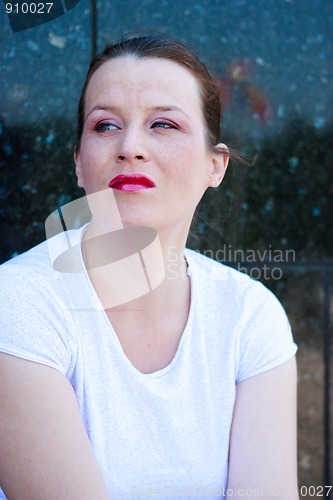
x=32 y=322
x=265 y=338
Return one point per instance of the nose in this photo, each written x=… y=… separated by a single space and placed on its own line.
x=132 y=145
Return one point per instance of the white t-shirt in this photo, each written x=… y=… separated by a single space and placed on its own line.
x=159 y=435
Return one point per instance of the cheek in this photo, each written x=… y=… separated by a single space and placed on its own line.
x=186 y=183
x=95 y=174
x=92 y=158
x=188 y=168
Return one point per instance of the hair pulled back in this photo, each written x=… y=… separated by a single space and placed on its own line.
x=164 y=47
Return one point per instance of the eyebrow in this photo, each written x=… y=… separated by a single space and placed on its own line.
x=102 y=108
x=154 y=108
x=170 y=108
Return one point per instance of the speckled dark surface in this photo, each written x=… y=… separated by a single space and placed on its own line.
x=42 y=72
x=288 y=199
x=280 y=108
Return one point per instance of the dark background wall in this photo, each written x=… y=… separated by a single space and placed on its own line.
x=273 y=62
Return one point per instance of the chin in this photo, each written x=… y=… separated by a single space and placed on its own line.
x=138 y=212
x=139 y=221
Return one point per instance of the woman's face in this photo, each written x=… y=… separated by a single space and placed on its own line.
x=143 y=119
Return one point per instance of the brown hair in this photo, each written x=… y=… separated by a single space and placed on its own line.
x=161 y=46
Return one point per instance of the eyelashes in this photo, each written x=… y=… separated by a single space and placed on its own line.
x=105 y=127
x=163 y=125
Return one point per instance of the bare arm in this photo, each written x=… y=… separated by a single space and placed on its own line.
x=45 y=453
x=263 y=454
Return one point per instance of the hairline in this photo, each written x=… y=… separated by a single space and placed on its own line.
x=133 y=53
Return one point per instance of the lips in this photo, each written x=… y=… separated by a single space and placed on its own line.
x=131 y=182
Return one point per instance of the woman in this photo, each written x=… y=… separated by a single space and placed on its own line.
x=187 y=390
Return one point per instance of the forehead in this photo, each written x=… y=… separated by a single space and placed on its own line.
x=144 y=80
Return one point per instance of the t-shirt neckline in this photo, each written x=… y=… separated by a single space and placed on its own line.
x=163 y=371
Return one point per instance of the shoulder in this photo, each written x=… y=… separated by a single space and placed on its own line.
x=244 y=311
x=223 y=280
x=32 y=283
x=213 y=270
x=39 y=265
x=35 y=307
x=25 y=275
x=236 y=290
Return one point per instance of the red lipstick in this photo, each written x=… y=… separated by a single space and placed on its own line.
x=131 y=182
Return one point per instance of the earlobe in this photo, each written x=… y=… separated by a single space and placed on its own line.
x=220 y=164
x=78 y=169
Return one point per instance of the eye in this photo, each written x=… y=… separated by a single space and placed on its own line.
x=105 y=127
x=165 y=125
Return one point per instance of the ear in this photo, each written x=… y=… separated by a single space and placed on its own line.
x=78 y=169
x=219 y=163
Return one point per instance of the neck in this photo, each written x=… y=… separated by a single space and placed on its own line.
x=137 y=271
